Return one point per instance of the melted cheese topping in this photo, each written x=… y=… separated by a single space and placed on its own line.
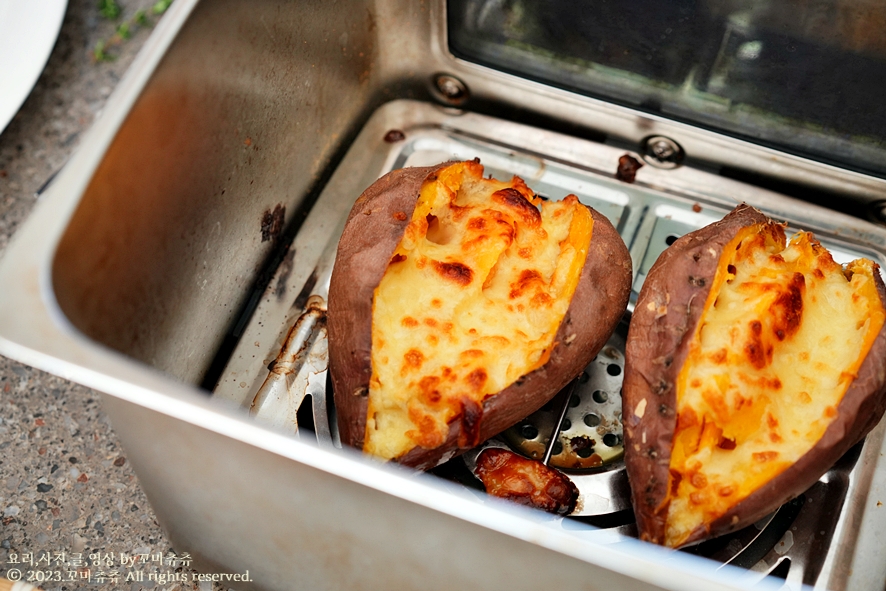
x=783 y=334
x=471 y=301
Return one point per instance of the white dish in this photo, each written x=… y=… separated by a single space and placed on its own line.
x=28 y=30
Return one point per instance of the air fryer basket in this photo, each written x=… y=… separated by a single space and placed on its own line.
x=187 y=245
x=289 y=389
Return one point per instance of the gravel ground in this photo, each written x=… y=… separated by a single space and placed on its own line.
x=67 y=492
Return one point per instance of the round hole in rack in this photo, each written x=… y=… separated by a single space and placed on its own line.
x=529 y=431
x=558 y=449
x=584 y=452
x=600 y=396
x=671 y=239
x=574 y=401
x=566 y=425
x=610 y=440
x=613 y=369
x=584 y=377
x=592 y=420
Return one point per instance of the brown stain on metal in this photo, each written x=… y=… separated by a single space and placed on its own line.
x=272 y=222
x=286 y=267
x=394 y=136
x=627 y=168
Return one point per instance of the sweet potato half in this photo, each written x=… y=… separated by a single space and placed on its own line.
x=459 y=305
x=752 y=365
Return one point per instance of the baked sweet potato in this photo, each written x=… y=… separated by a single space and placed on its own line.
x=459 y=305
x=752 y=365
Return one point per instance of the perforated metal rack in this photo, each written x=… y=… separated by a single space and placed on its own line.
x=278 y=371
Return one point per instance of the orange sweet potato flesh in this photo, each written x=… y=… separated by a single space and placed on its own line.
x=740 y=388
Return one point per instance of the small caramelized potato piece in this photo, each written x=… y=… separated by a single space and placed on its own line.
x=527 y=482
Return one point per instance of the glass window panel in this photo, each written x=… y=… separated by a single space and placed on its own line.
x=807 y=76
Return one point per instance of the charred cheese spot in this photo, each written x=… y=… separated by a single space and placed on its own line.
x=782 y=334
x=528 y=279
x=428 y=388
x=524 y=208
x=477 y=379
x=541 y=299
x=456 y=272
x=486 y=276
x=698 y=480
x=477 y=224
x=426 y=432
x=787 y=309
x=413 y=359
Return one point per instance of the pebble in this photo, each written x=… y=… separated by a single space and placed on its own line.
x=11 y=511
x=78 y=543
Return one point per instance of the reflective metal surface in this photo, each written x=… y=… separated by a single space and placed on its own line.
x=649 y=220
x=181 y=242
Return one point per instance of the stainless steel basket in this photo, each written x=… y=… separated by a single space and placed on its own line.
x=187 y=247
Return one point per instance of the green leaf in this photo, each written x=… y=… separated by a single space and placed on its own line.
x=123 y=30
x=160 y=6
x=140 y=17
x=109 y=9
x=99 y=53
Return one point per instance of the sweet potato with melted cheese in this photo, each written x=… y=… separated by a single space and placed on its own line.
x=753 y=363
x=459 y=305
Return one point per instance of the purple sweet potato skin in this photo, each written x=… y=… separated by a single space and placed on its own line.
x=597 y=306
x=668 y=309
